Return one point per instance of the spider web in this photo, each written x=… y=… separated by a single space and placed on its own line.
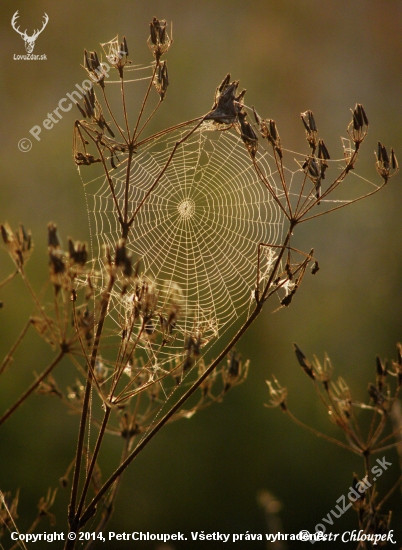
x=196 y=235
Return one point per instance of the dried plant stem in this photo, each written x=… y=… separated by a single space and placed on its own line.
x=10 y=354
x=108 y=507
x=321 y=435
x=343 y=424
x=105 y=168
x=110 y=181
x=87 y=360
x=123 y=100
x=93 y=462
x=144 y=101
x=85 y=406
x=20 y=543
x=9 y=278
x=113 y=117
x=124 y=222
x=344 y=204
x=279 y=166
x=390 y=492
x=272 y=191
x=380 y=427
x=148 y=119
x=32 y=387
x=37 y=303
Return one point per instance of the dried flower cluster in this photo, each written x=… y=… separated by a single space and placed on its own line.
x=348 y=414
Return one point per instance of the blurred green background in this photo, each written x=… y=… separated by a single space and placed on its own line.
x=205 y=473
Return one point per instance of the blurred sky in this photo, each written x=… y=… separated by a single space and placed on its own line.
x=290 y=56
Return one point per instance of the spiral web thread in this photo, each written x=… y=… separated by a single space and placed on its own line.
x=197 y=234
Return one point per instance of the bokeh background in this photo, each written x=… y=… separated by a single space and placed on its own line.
x=205 y=473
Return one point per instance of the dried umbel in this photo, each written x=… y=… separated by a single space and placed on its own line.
x=358 y=127
x=117 y=55
x=65 y=266
x=227 y=104
x=19 y=244
x=387 y=165
x=343 y=409
x=159 y=41
x=311 y=129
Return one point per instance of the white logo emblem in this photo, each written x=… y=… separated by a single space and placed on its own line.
x=29 y=40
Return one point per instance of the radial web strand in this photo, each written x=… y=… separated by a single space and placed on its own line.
x=196 y=235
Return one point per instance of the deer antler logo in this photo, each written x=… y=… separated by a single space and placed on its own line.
x=29 y=40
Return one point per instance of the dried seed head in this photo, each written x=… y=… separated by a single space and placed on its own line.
x=315 y=267
x=315 y=169
x=311 y=129
x=234 y=372
x=385 y=166
x=278 y=395
x=125 y=47
x=323 y=373
x=269 y=131
x=94 y=68
x=49 y=387
x=56 y=263
x=145 y=300
x=159 y=41
x=240 y=97
x=381 y=368
x=287 y=300
x=93 y=110
x=322 y=150
x=382 y=371
x=248 y=135
x=85 y=159
x=19 y=244
x=358 y=126
x=226 y=108
x=77 y=252
x=304 y=362
x=123 y=259
x=192 y=347
x=6 y=234
x=161 y=80
x=168 y=324
x=116 y=54
x=376 y=396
